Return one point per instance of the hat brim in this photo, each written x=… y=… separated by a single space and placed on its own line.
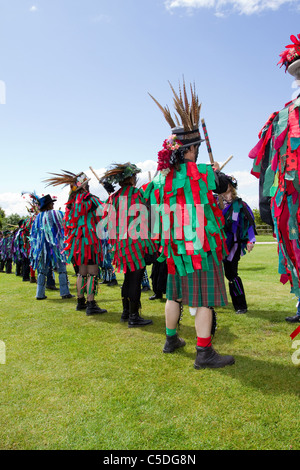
x=294 y=69
x=191 y=142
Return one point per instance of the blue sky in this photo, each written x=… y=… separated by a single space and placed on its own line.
x=77 y=76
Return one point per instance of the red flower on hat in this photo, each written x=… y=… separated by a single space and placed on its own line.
x=164 y=155
x=291 y=52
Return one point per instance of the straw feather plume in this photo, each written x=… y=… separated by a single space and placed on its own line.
x=187 y=113
x=65 y=178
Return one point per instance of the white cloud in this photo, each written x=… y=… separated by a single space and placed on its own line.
x=33 y=8
x=13 y=203
x=246 y=7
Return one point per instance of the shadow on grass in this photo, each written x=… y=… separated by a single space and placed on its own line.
x=253 y=268
x=269 y=315
x=266 y=376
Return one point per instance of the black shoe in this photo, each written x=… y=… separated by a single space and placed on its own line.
x=113 y=282
x=172 y=343
x=145 y=289
x=52 y=287
x=209 y=358
x=41 y=298
x=81 y=303
x=156 y=296
x=93 y=309
x=241 y=310
x=67 y=296
x=135 y=320
x=295 y=319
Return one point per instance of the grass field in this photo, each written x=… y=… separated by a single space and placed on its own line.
x=75 y=382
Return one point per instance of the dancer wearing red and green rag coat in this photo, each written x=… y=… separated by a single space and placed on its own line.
x=190 y=228
x=129 y=236
x=276 y=163
x=83 y=246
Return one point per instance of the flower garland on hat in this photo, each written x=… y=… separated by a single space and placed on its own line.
x=165 y=155
x=291 y=52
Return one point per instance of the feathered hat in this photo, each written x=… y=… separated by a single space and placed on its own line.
x=34 y=202
x=185 y=126
x=75 y=181
x=118 y=173
x=290 y=57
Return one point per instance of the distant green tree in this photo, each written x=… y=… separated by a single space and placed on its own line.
x=2 y=217
x=11 y=221
x=257 y=217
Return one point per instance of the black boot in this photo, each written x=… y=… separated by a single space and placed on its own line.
x=93 y=309
x=134 y=318
x=125 y=314
x=156 y=296
x=81 y=303
x=172 y=343
x=237 y=294
x=209 y=358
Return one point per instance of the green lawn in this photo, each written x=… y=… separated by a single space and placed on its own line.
x=76 y=382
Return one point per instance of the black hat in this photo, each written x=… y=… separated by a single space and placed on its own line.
x=231 y=180
x=45 y=200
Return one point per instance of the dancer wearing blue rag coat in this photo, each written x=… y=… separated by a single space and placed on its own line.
x=47 y=244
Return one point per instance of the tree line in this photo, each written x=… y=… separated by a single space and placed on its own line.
x=9 y=222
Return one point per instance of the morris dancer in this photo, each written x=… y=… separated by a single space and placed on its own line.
x=276 y=163
x=129 y=247
x=46 y=246
x=192 y=238
x=82 y=246
x=240 y=236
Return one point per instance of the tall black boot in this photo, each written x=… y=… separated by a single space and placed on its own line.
x=134 y=318
x=125 y=314
x=26 y=270
x=237 y=294
x=209 y=358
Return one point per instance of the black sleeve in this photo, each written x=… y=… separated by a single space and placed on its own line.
x=221 y=182
x=93 y=206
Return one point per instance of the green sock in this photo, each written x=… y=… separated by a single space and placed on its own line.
x=171 y=332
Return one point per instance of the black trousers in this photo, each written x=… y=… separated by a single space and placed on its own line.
x=131 y=288
x=26 y=269
x=236 y=288
x=159 y=277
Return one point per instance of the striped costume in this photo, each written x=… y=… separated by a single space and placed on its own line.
x=190 y=230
